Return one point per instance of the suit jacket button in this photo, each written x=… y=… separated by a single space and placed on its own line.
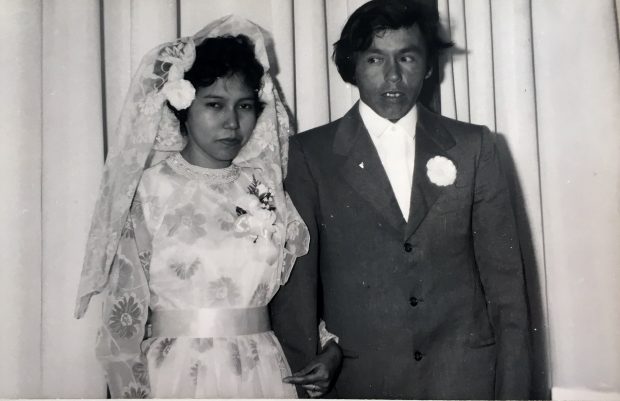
x=408 y=247
x=418 y=356
x=413 y=301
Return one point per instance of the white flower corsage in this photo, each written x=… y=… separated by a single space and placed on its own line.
x=255 y=212
x=180 y=93
x=441 y=171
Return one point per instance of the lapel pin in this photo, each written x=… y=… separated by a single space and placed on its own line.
x=361 y=165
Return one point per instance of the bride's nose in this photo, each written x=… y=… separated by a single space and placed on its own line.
x=232 y=120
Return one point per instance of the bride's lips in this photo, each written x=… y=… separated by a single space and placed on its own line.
x=230 y=141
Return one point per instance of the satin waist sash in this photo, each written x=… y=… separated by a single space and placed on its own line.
x=207 y=322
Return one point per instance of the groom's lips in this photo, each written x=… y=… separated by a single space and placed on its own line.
x=393 y=96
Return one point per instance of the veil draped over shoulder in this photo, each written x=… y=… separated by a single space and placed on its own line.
x=148 y=131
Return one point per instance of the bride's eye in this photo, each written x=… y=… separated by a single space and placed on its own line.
x=247 y=106
x=214 y=105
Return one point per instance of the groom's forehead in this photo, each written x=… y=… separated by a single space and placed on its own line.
x=398 y=39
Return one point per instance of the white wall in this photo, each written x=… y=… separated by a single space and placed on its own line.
x=578 y=104
x=20 y=205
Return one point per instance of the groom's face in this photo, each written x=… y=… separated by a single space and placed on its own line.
x=390 y=73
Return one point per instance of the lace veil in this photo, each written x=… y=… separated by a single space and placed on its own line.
x=148 y=131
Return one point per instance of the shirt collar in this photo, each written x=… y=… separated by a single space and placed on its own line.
x=377 y=125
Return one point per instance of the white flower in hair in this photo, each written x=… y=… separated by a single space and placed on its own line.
x=441 y=171
x=180 y=93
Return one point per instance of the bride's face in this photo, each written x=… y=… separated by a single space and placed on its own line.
x=219 y=122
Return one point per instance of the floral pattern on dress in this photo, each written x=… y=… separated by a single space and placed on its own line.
x=128 y=230
x=145 y=260
x=227 y=224
x=260 y=295
x=282 y=364
x=135 y=391
x=292 y=231
x=137 y=212
x=235 y=357
x=202 y=344
x=253 y=357
x=194 y=371
x=163 y=349
x=222 y=292
x=123 y=275
x=126 y=316
x=186 y=217
x=185 y=271
x=141 y=374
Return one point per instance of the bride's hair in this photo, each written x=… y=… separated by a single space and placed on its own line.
x=223 y=57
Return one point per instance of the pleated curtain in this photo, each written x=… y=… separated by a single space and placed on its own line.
x=543 y=74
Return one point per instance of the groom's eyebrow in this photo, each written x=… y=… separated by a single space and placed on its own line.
x=408 y=49
x=412 y=49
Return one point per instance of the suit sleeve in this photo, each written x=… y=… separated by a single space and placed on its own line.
x=294 y=308
x=499 y=261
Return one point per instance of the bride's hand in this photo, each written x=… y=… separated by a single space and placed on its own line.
x=319 y=376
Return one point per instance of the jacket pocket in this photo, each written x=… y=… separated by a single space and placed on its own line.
x=481 y=335
x=481 y=342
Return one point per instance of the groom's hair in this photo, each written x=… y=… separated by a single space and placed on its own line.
x=379 y=15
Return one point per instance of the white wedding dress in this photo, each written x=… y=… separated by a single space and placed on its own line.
x=205 y=285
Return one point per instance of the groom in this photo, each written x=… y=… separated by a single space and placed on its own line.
x=414 y=261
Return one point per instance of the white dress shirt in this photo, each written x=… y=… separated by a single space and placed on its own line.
x=395 y=143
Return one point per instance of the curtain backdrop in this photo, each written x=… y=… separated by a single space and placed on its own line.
x=545 y=75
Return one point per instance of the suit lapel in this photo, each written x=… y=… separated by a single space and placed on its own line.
x=431 y=140
x=362 y=168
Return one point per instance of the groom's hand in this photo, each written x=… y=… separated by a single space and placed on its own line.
x=319 y=376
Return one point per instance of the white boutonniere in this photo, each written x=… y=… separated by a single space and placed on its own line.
x=255 y=212
x=441 y=171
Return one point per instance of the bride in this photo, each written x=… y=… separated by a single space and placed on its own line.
x=193 y=233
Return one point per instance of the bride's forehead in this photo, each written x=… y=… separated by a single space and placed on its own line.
x=226 y=86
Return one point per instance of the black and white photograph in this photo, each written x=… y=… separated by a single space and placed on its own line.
x=281 y=199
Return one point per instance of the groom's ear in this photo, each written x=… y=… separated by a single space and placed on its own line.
x=429 y=72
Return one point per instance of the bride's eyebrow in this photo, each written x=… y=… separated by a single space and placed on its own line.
x=218 y=97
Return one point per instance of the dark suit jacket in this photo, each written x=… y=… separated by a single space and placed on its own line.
x=432 y=308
